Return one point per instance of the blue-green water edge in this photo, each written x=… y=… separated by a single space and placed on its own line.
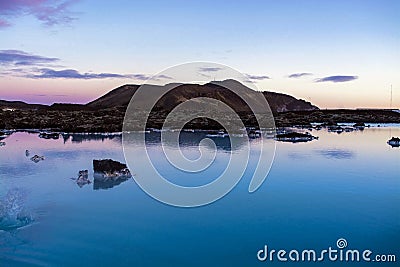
x=340 y=186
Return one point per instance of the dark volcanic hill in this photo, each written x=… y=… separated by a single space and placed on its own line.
x=217 y=90
x=121 y=96
x=117 y=97
x=19 y=105
x=281 y=103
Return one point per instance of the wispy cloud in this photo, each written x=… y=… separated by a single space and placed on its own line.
x=18 y=63
x=46 y=73
x=141 y=77
x=299 y=75
x=50 y=12
x=210 y=69
x=145 y=77
x=161 y=77
x=257 y=77
x=21 y=58
x=337 y=79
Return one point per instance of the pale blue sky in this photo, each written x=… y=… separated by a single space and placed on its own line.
x=359 y=39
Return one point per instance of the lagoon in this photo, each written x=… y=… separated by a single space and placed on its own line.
x=340 y=186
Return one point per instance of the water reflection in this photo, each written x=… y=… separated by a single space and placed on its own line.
x=79 y=138
x=334 y=153
x=297 y=156
x=192 y=139
x=153 y=138
x=102 y=182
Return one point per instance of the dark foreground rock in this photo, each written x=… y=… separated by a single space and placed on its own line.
x=109 y=173
x=108 y=165
x=334 y=116
x=111 y=120
x=394 y=142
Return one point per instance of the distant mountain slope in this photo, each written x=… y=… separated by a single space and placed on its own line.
x=281 y=103
x=117 y=97
x=217 y=90
x=19 y=105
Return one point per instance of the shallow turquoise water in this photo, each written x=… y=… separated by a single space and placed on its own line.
x=340 y=186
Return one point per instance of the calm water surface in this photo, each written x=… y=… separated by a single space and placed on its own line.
x=340 y=186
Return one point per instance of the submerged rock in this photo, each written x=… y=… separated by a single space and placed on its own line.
x=336 y=129
x=4 y=134
x=348 y=129
x=37 y=158
x=359 y=126
x=83 y=178
x=295 y=137
x=49 y=135
x=394 y=142
x=254 y=134
x=329 y=124
x=221 y=134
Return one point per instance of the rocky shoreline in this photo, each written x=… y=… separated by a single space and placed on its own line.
x=111 y=120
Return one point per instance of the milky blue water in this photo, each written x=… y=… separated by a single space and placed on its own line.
x=340 y=186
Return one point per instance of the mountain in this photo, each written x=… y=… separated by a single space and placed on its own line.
x=19 y=105
x=179 y=93
x=182 y=92
x=117 y=97
x=281 y=103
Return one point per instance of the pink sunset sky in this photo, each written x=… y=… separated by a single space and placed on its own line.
x=338 y=54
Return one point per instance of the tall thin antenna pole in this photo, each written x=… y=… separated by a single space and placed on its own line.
x=391 y=96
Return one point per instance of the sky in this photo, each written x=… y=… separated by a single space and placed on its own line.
x=336 y=54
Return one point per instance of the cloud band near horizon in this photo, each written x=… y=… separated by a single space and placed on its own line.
x=337 y=78
x=299 y=75
x=21 y=58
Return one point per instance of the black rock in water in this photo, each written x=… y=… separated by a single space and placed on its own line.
x=109 y=173
x=394 y=142
x=295 y=137
x=359 y=124
x=83 y=178
x=108 y=165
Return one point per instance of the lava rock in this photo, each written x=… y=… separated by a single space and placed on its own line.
x=108 y=165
